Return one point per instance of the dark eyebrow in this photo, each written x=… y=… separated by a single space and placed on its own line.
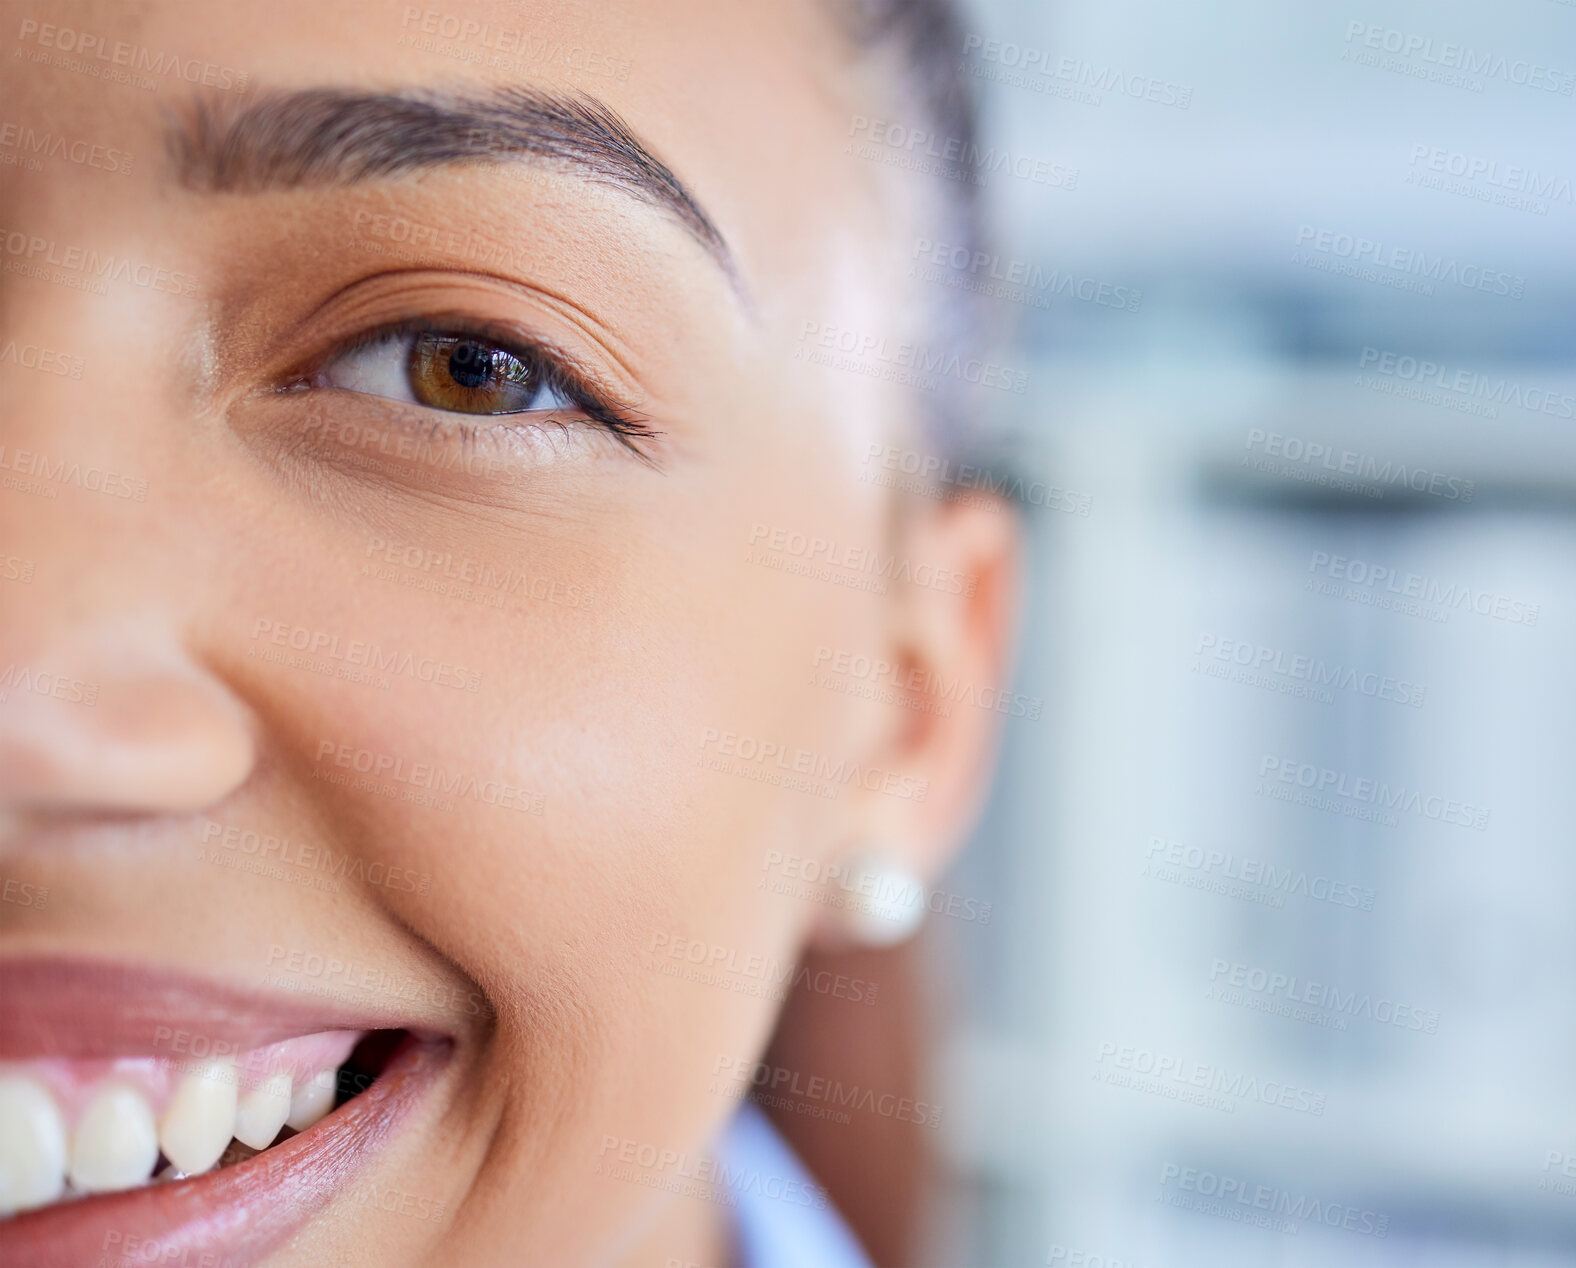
x=324 y=136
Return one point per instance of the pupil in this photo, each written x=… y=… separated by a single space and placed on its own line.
x=470 y=365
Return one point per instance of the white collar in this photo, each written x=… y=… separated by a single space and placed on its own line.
x=782 y=1218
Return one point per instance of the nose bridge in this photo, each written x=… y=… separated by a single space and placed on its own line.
x=80 y=452
x=84 y=364
x=104 y=703
x=80 y=554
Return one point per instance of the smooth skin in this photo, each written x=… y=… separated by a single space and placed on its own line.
x=257 y=509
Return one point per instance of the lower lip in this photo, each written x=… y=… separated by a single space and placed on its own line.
x=244 y=1210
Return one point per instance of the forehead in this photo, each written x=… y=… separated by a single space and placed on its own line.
x=749 y=105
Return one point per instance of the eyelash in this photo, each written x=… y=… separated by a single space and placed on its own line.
x=558 y=371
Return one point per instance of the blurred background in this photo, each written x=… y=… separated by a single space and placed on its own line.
x=1276 y=969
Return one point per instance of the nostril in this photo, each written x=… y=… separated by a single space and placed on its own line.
x=153 y=742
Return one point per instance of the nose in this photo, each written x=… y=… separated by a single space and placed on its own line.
x=111 y=566
x=114 y=723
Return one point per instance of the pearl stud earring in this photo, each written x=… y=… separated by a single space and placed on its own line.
x=883 y=898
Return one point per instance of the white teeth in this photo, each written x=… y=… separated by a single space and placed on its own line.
x=312 y=1100
x=115 y=1143
x=201 y=1117
x=116 y=1140
x=262 y=1111
x=32 y=1146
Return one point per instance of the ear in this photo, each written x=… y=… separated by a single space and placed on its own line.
x=951 y=628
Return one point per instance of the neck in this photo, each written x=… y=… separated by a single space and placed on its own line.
x=689 y=1233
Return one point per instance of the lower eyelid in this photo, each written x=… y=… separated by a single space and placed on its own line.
x=441 y=443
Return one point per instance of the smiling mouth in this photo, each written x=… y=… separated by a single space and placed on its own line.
x=148 y=1113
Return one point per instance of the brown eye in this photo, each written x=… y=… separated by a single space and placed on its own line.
x=472 y=376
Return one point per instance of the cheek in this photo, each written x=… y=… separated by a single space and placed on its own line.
x=516 y=729
x=585 y=736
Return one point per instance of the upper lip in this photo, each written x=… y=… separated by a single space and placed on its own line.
x=71 y=1007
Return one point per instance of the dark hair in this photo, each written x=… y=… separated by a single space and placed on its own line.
x=925 y=41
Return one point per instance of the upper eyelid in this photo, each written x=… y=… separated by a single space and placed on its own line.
x=422 y=280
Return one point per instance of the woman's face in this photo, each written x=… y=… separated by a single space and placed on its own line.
x=342 y=699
